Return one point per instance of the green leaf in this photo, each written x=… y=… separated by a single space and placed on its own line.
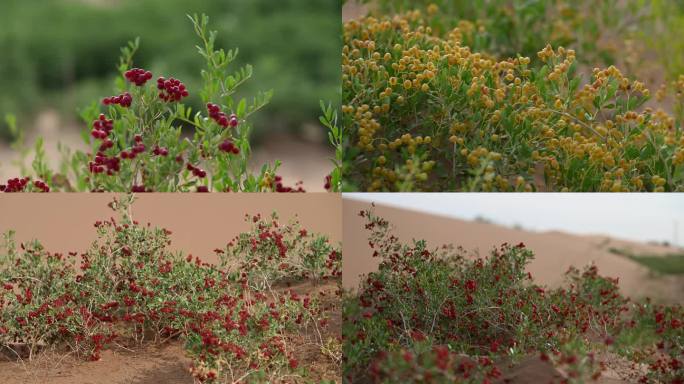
x=242 y=106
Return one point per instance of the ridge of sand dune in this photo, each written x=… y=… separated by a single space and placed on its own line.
x=554 y=251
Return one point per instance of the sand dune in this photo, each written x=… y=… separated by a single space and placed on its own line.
x=555 y=251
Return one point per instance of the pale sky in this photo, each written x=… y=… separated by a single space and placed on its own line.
x=632 y=216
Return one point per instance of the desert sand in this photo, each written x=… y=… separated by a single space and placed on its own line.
x=554 y=251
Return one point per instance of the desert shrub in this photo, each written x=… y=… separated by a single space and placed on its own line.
x=129 y=288
x=137 y=144
x=271 y=252
x=63 y=61
x=425 y=112
x=437 y=315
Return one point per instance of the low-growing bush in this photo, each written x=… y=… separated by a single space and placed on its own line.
x=129 y=288
x=423 y=111
x=440 y=316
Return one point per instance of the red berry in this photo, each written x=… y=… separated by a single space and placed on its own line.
x=171 y=90
x=138 y=76
x=229 y=147
x=123 y=100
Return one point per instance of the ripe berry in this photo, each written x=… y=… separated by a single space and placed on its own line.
x=15 y=185
x=102 y=127
x=171 y=90
x=202 y=188
x=221 y=118
x=41 y=185
x=199 y=172
x=124 y=100
x=139 y=148
x=138 y=76
x=160 y=151
x=106 y=144
x=228 y=147
x=102 y=163
x=280 y=187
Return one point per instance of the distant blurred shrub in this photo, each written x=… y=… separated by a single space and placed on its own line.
x=513 y=27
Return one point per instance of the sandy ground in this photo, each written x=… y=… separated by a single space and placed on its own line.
x=554 y=251
x=301 y=160
x=152 y=365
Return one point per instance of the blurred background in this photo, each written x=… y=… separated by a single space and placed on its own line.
x=61 y=55
x=639 y=37
x=635 y=217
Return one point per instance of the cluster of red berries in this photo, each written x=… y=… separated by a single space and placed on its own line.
x=138 y=76
x=199 y=172
x=41 y=185
x=171 y=89
x=221 y=118
x=328 y=183
x=124 y=100
x=101 y=127
x=139 y=147
x=102 y=163
x=14 y=185
x=19 y=185
x=280 y=187
x=106 y=144
x=160 y=151
x=229 y=147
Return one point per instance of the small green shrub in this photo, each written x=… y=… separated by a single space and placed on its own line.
x=437 y=315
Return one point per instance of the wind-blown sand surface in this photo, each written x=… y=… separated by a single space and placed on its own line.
x=554 y=251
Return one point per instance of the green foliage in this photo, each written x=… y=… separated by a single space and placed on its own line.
x=668 y=264
x=423 y=111
x=521 y=27
x=335 y=138
x=665 y=19
x=439 y=313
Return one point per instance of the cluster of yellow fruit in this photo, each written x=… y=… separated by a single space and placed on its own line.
x=422 y=111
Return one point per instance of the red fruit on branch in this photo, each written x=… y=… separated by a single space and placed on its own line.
x=125 y=100
x=15 y=185
x=171 y=90
x=138 y=76
x=229 y=147
x=221 y=118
